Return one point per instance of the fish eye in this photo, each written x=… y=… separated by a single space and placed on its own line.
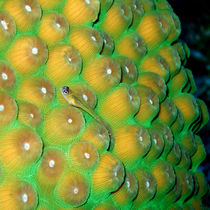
x=66 y=90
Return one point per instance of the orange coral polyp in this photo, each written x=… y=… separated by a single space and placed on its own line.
x=27 y=54
x=64 y=64
x=7 y=29
x=81 y=12
x=63 y=124
x=8 y=109
x=20 y=148
x=26 y=13
x=7 y=77
x=53 y=28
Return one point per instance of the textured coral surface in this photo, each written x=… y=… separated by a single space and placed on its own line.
x=137 y=146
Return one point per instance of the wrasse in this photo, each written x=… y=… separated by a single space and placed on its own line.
x=75 y=101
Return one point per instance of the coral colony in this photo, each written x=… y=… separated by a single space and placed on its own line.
x=96 y=107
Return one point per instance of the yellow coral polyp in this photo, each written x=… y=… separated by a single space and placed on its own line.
x=148 y=5
x=62 y=124
x=164 y=175
x=157 y=64
x=50 y=169
x=157 y=145
x=132 y=46
x=137 y=10
x=174 y=23
x=171 y=55
x=8 y=109
x=7 y=77
x=73 y=189
x=188 y=106
x=83 y=155
x=7 y=29
x=97 y=135
x=64 y=63
x=136 y=138
x=103 y=70
x=167 y=136
x=26 y=13
x=17 y=194
x=109 y=174
x=149 y=105
x=27 y=54
x=39 y=91
x=168 y=112
x=120 y=105
x=154 y=29
x=147 y=187
x=178 y=82
x=81 y=11
x=20 y=148
x=84 y=93
x=174 y=156
x=29 y=114
x=121 y=13
x=108 y=44
x=129 y=70
x=87 y=40
x=187 y=183
x=155 y=82
x=53 y=28
x=127 y=191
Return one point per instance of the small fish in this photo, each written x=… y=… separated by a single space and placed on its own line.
x=73 y=100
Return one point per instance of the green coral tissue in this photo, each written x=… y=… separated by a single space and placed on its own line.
x=97 y=108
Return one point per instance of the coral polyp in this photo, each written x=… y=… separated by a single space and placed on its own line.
x=97 y=108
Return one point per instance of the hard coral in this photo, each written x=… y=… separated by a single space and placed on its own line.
x=133 y=141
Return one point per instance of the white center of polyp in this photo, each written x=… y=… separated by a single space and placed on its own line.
x=58 y=25
x=140 y=138
x=24 y=198
x=128 y=184
x=31 y=115
x=137 y=44
x=126 y=69
x=151 y=101
x=147 y=184
x=34 y=51
x=100 y=135
x=87 y=155
x=130 y=97
x=109 y=71
x=93 y=38
x=85 y=97
x=28 y=8
x=51 y=163
x=4 y=76
x=70 y=120
x=155 y=140
x=4 y=24
x=134 y=6
x=1 y=107
x=76 y=190
x=26 y=146
x=44 y=90
x=87 y=1
x=69 y=59
x=123 y=11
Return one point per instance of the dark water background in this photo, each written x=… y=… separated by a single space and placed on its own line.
x=195 y=21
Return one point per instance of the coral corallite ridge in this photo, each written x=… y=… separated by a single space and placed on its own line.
x=135 y=146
